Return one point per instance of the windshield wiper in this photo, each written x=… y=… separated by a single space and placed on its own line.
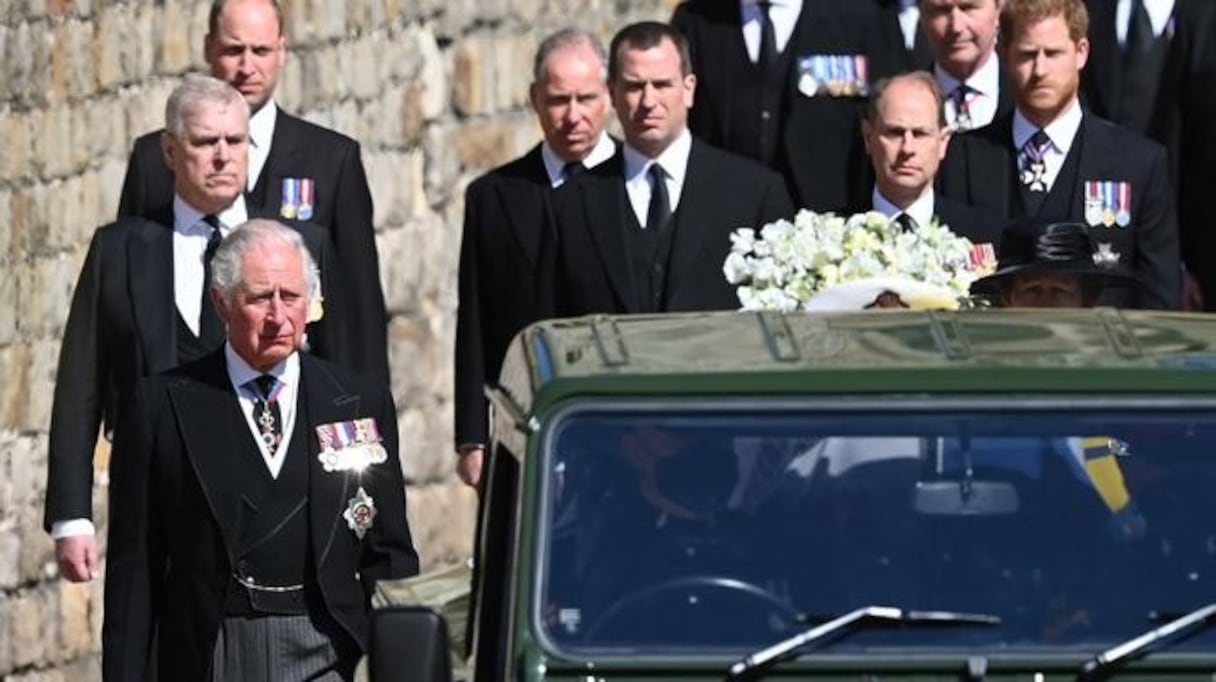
x=1102 y=664
x=765 y=658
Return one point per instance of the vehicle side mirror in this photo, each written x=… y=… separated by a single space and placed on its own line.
x=965 y=498
x=408 y=644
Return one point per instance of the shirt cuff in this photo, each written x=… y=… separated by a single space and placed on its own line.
x=72 y=528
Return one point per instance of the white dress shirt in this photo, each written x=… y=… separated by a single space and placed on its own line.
x=190 y=235
x=261 y=132
x=783 y=14
x=920 y=210
x=1159 y=14
x=673 y=161
x=909 y=20
x=985 y=85
x=288 y=374
x=1061 y=132
x=554 y=164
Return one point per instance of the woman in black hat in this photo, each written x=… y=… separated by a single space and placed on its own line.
x=1050 y=265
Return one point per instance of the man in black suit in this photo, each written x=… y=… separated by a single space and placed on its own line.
x=1152 y=69
x=140 y=304
x=649 y=230
x=297 y=170
x=782 y=82
x=257 y=494
x=1051 y=160
x=504 y=214
x=906 y=137
x=962 y=37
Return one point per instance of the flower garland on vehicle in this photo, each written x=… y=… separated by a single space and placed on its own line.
x=789 y=262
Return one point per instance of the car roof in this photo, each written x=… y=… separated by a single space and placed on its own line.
x=987 y=350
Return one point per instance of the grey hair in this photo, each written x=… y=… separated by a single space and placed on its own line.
x=566 y=38
x=226 y=273
x=194 y=91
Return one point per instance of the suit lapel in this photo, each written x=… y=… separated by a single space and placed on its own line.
x=205 y=412
x=604 y=203
x=696 y=210
x=150 y=286
x=1104 y=57
x=285 y=153
x=522 y=201
x=325 y=401
x=1091 y=165
x=993 y=167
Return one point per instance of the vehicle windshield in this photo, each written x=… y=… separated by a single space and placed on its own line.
x=669 y=528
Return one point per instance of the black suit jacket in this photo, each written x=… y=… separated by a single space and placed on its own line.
x=1184 y=118
x=721 y=192
x=978 y=225
x=893 y=55
x=122 y=325
x=504 y=216
x=821 y=138
x=980 y=169
x=175 y=507
x=343 y=206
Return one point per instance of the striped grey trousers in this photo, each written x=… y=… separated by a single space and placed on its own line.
x=279 y=649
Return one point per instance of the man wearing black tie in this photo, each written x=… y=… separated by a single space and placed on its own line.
x=1153 y=70
x=962 y=37
x=297 y=170
x=906 y=137
x=500 y=287
x=783 y=82
x=1050 y=160
x=649 y=230
x=257 y=494
x=141 y=306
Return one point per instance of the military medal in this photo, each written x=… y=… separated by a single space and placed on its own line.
x=1123 y=203
x=808 y=76
x=289 y=205
x=351 y=445
x=307 y=198
x=1033 y=175
x=1093 y=203
x=360 y=512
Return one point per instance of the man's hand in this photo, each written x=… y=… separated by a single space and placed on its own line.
x=468 y=466
x=77 y=557
x=1192 y=293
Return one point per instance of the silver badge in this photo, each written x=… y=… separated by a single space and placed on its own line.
x=1106 y=257
x=360 y=512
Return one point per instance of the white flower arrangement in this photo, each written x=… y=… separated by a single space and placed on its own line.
x=790 y=262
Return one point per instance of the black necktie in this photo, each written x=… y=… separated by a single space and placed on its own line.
x=266 y=411
x=1139 y=32
x=572 y=170
x=210 y=331
x=906 y=222
x=768 y=36
x=660 y=206
x=962 y=107
x=1034 y=164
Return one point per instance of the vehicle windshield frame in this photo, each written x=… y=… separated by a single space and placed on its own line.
x=554 y=419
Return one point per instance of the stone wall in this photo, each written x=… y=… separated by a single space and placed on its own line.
x=436 y=92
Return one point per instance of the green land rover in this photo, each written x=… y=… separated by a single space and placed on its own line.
x=982 y=494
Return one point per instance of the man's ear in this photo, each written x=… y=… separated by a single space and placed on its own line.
x=866 y=129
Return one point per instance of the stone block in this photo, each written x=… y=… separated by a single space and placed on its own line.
x=143 y=44
x=52 y=134
x=442 y=518
x=176 y=41
x=10 y=557
x=361 y=66
x=395 y=180
x=44 y=288
x=468 y=97
x=110 y=32
x=329 y=19
x=433 y=75
x=28 y=628
x=109 y=186
x=75 y=628
x=15 y=153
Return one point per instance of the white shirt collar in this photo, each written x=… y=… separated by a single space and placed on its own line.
x=921 y=210
x=1061 y=131
x=554 y=164
x=986 y=80
x=287 y=371
x=673 y=160
x=187 y=218
x=261 y=125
